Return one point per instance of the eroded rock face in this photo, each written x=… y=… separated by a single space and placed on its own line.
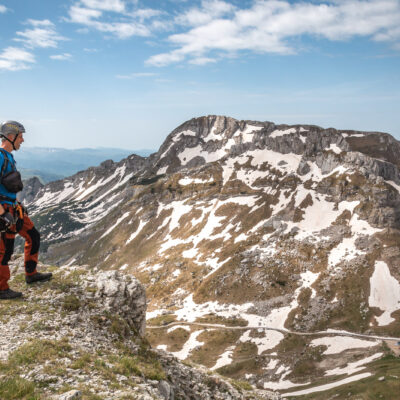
x=123 y=295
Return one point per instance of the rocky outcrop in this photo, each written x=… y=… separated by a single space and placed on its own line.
x=122 y=295
x=77 y=335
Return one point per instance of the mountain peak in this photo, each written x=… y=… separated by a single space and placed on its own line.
x=214 y=137
x=255 y=241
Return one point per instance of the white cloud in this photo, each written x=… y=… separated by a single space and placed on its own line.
x=3 y=9
x=209 y=10
x=146 y=13
x=269 y=25
x=15 y=59
x=42 y=35
x=81 y=15
x=112 y=16
x=105 y=5
x=137 y=75
x=40 y=22
x=61 y=57
x=160 y=60
x=202 y=60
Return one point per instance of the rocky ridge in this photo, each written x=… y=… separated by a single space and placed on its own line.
x=81 y=336
x=272 y=227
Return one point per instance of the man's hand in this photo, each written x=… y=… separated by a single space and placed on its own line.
x=6 y=220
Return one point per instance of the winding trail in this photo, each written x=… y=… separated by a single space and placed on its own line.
x=268 y=328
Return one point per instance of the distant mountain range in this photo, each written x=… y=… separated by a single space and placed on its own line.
x=50 y=164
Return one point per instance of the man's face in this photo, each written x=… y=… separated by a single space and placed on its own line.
x=18 y=141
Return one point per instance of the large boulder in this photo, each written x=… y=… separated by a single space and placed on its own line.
x=122 y=295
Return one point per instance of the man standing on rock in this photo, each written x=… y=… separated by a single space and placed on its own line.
x=13 y=217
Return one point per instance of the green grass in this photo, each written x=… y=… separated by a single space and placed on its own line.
x=16 y=388
x=241 y=385
x=162 y=320
x=145 y=363
x=71 y=303
x=37 y=351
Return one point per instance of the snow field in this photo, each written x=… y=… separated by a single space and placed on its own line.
x=191 y=311
x=346 y=250
x=337 y=344
x=189 y=345
x=119 y=220
x=191 y=152
x=189 y=181
x=271 y=340
x=272 y=364
x=334 y=147
x=224 y=359
x=279 y=133
x=175 y=139
x=385 y=293
x=354 y=367
x=208 y=214
x=162 y=170
x=328 y=386
x=137 y=231
x=318 y=216
x=283 y=384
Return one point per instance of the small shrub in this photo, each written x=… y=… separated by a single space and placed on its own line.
x=241 y=385
x=71 y=303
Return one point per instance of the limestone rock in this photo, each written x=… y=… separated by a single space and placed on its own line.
x=71 y=395
x=165 y=390
x=123 y=295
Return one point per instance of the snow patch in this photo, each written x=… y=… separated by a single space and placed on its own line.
x=328 y=386
x=278 y=133
x=385 y=293
x=190 y=345
x=337 y=344
x=335 y=148
x=354 y=367
x=189 y=181
x=224 y=359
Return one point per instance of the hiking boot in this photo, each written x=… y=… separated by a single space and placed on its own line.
x=38 y=277
x=9 y=294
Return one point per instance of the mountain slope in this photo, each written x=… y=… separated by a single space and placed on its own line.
x=276 y=229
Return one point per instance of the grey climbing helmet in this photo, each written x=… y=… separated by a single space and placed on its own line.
x=11 y=127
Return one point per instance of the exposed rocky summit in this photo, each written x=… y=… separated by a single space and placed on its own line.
x=270 y=230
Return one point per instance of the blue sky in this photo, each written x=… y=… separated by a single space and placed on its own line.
x=125 y=73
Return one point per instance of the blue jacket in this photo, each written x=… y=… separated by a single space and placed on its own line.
x=11 y=197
